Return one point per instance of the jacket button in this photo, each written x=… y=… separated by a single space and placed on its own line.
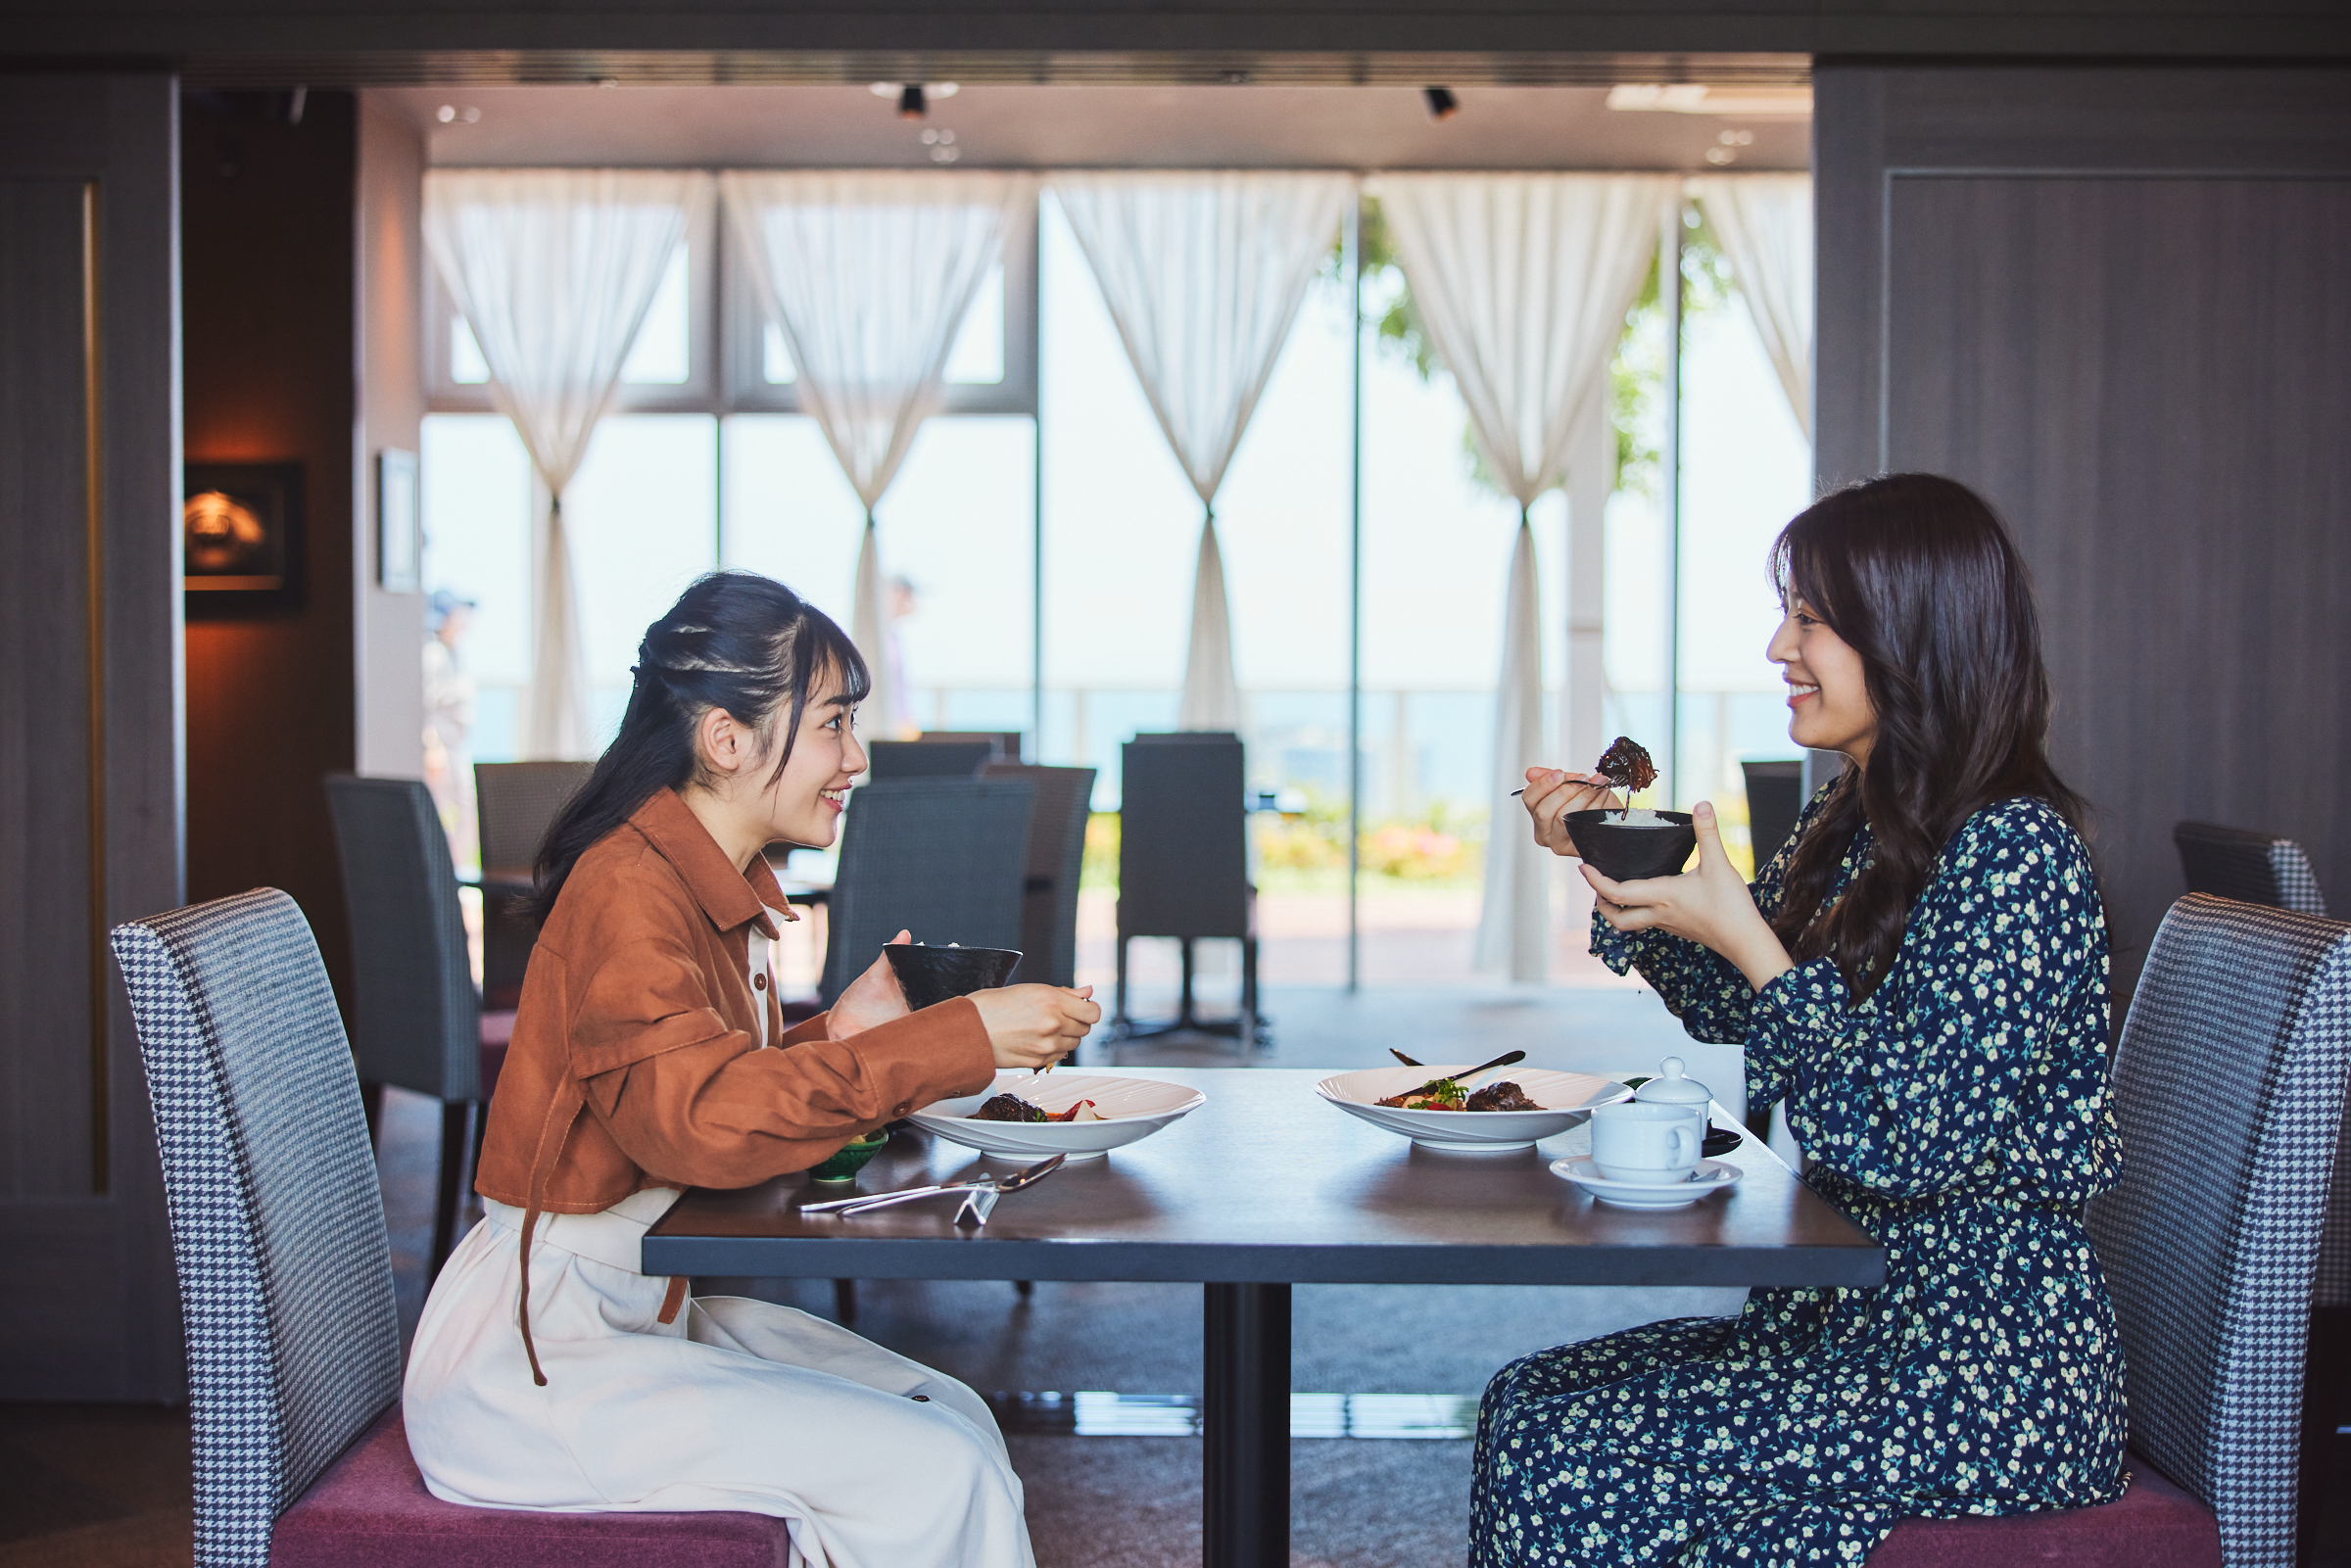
x=759 y=983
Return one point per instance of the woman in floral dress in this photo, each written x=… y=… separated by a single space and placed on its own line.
x=1920 y=977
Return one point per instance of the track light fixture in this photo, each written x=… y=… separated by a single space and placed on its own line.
x=911 y=103
x=1442 y=104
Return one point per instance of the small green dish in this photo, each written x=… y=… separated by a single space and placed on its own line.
x=851 y=1157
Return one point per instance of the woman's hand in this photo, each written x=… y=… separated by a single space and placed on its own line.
x=1033 y=1026
x=1551 y=794
x=872 y=998
x=1710 y=906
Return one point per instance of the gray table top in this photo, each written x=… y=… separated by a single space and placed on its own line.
x=1266 y=1184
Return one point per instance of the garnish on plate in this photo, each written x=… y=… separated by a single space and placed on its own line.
x=1444 y=1094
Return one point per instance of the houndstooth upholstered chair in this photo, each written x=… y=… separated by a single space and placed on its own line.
x=285 y=1278
x=2229 y=1087
x=2259 y=867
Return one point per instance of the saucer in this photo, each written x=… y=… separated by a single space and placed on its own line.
x=1712 y=1176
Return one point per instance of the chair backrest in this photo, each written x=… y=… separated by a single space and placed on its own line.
x=516 y=802
x=414 y=1011
x=2253 y=868
x=1056 y=859
x=2228 y=1088
x=285 y=1278
x=945 y=858
x=1003 y=745
x=928 y=759
x=1183 y=836
x=1775 y=798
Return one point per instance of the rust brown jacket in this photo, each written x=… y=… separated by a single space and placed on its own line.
x=635 y=1059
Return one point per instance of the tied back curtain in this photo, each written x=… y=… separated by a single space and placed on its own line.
x=1765 y=224
x=1203 y=274
x=867 y=277
x=1523 y=282
x=554 y=270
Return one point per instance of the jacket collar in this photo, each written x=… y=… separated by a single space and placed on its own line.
x=730 y=898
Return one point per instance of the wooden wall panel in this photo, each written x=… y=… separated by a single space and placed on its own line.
x=96 y=1315
x=2113 y=302
x=271 y=376
x=47 y=1094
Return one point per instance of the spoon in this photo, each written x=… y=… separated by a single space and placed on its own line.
x=1502 y=1060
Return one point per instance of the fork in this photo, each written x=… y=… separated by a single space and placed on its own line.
x=996 y=1185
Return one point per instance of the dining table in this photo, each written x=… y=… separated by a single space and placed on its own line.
x=1261 y=1189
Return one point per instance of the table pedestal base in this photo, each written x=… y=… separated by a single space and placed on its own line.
x=1245 y=1422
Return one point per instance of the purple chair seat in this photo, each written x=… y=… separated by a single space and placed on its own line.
x=2152 y=1525
x=370 y=1510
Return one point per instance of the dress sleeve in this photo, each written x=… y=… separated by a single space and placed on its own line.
x=1908 y=1093
x=1699 y=986
x=697 y=1104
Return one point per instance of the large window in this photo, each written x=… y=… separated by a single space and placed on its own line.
x=707 y=461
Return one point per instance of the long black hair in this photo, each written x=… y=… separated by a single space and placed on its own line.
x=1916 y=573
x=734 y=640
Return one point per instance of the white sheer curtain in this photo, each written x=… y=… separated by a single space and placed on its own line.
x=554 y=270
x=1523 y=281
x=868 y=276
x=1765 y=224
x=1203 y=274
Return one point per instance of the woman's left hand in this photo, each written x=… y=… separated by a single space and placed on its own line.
x=1710 y=906
x=871 y=998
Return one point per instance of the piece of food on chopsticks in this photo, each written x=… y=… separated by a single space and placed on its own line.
x=1012 y=1107
x=1626 y=764
x=1443 y=1094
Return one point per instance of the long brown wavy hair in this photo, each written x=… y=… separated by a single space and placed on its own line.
x=1916 y=574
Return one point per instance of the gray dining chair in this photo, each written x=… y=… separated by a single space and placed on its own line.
x=285 y=1277
x=945 y=858
x=929 y=759
x=2229 y=1090
x=1056 y=862
x=2254 y=868
x=1775 y=798
x=2259 y=867
x=515 y=804
x=1183 y=870
x=419 y=1023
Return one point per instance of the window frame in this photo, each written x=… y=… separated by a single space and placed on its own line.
x=726 y=353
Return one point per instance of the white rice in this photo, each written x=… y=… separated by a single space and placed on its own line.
x=1639 y=817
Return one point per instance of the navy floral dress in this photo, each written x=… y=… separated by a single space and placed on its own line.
x=1960 y=1115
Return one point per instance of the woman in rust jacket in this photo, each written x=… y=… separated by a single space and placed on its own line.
x=648 y=1055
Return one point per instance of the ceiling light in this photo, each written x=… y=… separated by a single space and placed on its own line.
x=445 y=112
x=1442 y=104
x=944 y=89
x=1698 y=98
x=911 y=105
x=608 y=81
x=472 y=115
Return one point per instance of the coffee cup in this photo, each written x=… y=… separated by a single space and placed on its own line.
x=1636 y=1141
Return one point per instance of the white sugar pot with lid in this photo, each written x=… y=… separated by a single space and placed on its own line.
x=1672 y=1087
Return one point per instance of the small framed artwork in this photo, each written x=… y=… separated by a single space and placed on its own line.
x=241 y=537
x=398 y=542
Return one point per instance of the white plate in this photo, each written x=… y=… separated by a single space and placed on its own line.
x=1712 y=1176
x=1567 y=1099
x=1135 y=1108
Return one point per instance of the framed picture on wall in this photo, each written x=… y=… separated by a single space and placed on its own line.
x=241 y=537
x=398 y=542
